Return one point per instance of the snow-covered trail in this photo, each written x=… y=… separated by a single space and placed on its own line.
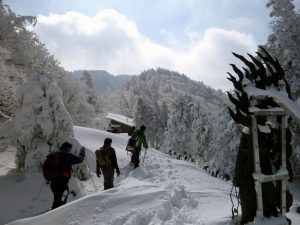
x=206 y=196
x=162 y=191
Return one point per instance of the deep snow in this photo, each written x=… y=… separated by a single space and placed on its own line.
x=162 y=191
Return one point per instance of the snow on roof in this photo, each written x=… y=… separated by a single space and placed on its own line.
x=281 y=98
x=121 y=119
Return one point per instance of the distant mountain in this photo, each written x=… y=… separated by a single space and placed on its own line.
x=165 y=85
x=103 y=81
x=162 y=85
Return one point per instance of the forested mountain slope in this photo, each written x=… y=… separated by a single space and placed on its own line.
x=182 y=116
x=103 y=81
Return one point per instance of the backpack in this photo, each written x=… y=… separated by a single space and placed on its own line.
x=103 y=158
x=132 y=143
x=52 y=167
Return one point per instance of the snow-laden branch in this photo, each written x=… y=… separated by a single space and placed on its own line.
x=4 y=115
x=292 y=108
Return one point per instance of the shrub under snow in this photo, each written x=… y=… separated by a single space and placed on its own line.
x=41 y=122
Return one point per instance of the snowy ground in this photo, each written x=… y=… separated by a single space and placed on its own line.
x=162 y=191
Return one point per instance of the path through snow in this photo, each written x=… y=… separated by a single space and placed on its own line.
x=163 y=191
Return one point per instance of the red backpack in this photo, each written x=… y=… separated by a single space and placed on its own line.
x=53 y=168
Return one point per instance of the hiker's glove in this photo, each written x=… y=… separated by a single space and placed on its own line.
x=118 y=171
x=82 y=151
x=98 y=173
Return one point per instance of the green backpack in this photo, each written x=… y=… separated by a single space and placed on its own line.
x=103 y=158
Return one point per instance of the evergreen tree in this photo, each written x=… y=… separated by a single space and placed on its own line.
x=124 y=106
x=202 y=134
x=163 y=124
x=158 y=126
x=284 y=40
x=283 y=43
x=90 y=92
x=144 y=115
x=180 y=125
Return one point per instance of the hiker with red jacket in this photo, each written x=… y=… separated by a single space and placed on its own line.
x=106 y=160
x=64 y=160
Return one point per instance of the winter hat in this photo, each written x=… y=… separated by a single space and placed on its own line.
x=65 y=147
x=143 y=128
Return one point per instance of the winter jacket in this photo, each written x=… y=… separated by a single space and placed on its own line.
x=67 y=160
x=142 y=138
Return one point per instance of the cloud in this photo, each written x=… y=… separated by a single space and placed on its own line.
x=209 y=59
x=242 y=23
x=112 y=42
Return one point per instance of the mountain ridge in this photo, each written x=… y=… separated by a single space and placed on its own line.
x=103 y=81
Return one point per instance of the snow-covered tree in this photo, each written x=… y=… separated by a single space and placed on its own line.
x=26 y=51
x=224 y=144
x=180 y=122
x=284 y=41
x=202 y=132
x=157 y=126
x=144 y=115
x=162 y=124
x=7 y=92
x=22 y=54
x=90 y=92
x=124 y=106
x=75 y=98
x=41 y=121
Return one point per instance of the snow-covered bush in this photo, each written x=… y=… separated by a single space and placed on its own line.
x=41 y=121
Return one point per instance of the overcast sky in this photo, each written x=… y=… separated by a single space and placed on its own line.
x=194 y=37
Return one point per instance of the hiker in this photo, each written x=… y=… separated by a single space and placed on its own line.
x=106 y=160
x=64 y=161
x=141 y=140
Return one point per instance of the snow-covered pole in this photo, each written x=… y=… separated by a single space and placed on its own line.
x=95 y=188
x=259 y=210
x=144 y=156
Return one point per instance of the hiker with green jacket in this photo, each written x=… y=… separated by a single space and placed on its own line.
x=141 y=141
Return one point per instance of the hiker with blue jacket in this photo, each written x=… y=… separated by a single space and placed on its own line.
x=63 y=162
x=106 y=160
x=141 y=141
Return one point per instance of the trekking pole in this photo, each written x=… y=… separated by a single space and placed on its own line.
x=41 y=188
x=144 y=156
x=87 y=163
